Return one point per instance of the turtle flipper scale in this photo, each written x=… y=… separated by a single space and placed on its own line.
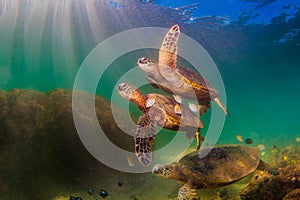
x=144 y=139
x=168 y=50
x=150 y=102
x=187 y=193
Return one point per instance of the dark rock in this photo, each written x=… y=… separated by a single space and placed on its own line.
x=293 y=195
x=264 y=186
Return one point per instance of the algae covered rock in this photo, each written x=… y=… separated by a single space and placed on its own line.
x=294 y=195
x=263 y=186
x=40 y=146
x=25 y=111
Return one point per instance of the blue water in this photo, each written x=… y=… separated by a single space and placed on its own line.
x=254 y=44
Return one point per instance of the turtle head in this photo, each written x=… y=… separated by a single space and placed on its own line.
x=164 y=171
x=126 y=90
x=133 y=94
x=147 y=65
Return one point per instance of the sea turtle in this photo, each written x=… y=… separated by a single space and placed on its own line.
x=221 y=166
x=159 y=110
x=179 y=80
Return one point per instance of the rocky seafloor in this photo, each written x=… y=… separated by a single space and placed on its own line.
x=42 y=156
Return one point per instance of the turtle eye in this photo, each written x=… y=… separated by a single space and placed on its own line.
x=142 y=60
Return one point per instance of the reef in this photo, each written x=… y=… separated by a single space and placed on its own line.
x=41 y=155
x=263 y=186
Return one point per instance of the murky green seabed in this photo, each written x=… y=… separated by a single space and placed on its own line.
x=48 y=161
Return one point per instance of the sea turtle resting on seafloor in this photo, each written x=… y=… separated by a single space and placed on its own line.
x=179 y=80
x=221 y=166
x=157 y=110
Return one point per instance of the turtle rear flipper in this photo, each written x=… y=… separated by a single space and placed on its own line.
x=222 y=106
x=268 y=168
x=144 y=139
x=187 y=193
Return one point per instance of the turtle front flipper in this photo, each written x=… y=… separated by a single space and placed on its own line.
x=268 y=168
x=168 y=50
x=187 y=193
x=144 y=139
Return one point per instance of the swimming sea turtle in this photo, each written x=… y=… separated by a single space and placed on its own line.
x=221 y=166
x=157 y=110
x=182 y=81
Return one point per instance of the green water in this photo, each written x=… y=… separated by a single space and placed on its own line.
x=43 y=45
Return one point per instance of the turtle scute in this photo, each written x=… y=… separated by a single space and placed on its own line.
x=223 y=164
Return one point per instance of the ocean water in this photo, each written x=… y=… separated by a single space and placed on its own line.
x=253 y=46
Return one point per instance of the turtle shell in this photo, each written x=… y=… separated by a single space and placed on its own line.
x=165 y=106
x=202 y=88
x=222 y=164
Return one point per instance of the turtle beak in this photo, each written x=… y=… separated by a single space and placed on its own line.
x=156 y=169
x=121 y=86
x=142 y=61
x=145 y=64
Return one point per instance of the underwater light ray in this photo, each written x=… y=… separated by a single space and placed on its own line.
x=8 y=22
x=93 y=20
x=36 y=20
x=64 y=61
x=38 y=45
x=3 y=7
